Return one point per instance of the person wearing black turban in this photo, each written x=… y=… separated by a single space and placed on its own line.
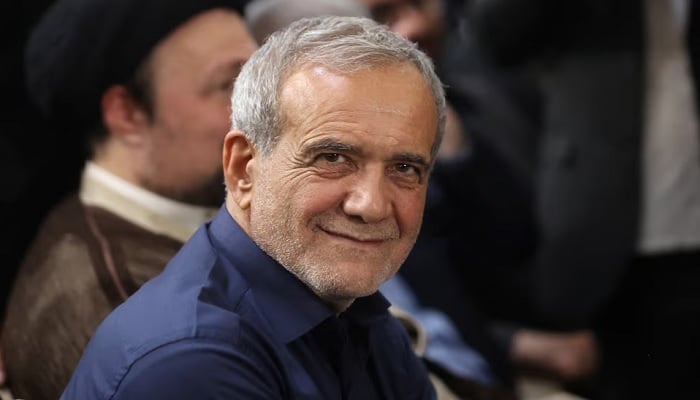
x=145 y=85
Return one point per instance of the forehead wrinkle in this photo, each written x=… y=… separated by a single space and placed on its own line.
x=337 y=120
x=295 y=90
x=315 y=124
x=309 y=113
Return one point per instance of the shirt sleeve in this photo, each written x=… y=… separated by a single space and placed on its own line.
x=196 y=369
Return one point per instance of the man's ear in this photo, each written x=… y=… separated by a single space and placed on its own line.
x=239 y=162
x=122 y=116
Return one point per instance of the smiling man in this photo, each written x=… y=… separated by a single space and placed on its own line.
x=339 y=200
x=335 y=124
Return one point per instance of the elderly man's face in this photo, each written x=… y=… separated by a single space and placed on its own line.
x=193 y=71
x=339 y=200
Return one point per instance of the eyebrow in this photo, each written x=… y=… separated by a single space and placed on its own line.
x=329 y=145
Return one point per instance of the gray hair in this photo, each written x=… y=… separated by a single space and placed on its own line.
x=344 y=45
x=266 y=16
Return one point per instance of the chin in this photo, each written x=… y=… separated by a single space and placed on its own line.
x=335 y=281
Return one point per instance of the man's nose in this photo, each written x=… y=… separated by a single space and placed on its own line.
x=368 y=198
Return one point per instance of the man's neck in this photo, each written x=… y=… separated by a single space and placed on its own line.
x=101 y=188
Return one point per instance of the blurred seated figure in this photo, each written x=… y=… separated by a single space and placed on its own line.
x=146 y=85
x=618 y=178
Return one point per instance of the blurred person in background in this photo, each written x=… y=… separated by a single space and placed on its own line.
x=145 y=85
x=618 y=178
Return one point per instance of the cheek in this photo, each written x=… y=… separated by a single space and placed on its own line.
x=220 y=115
x=208 y=116
x=200 y=137
x=310 y=199
x=210 y=124
x=409 y=213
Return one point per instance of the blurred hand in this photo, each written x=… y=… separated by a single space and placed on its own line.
x=566 y=357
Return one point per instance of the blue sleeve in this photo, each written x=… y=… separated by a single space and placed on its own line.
x=196 y=369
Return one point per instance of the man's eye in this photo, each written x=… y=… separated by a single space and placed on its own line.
x=332 y=157
x=333 y=164
x=407 y=169
x=407 y=173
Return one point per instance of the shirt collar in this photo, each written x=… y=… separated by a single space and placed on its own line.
x=158 y=214
x=289 y=306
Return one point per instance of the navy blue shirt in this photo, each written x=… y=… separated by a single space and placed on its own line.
x=226 y=321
